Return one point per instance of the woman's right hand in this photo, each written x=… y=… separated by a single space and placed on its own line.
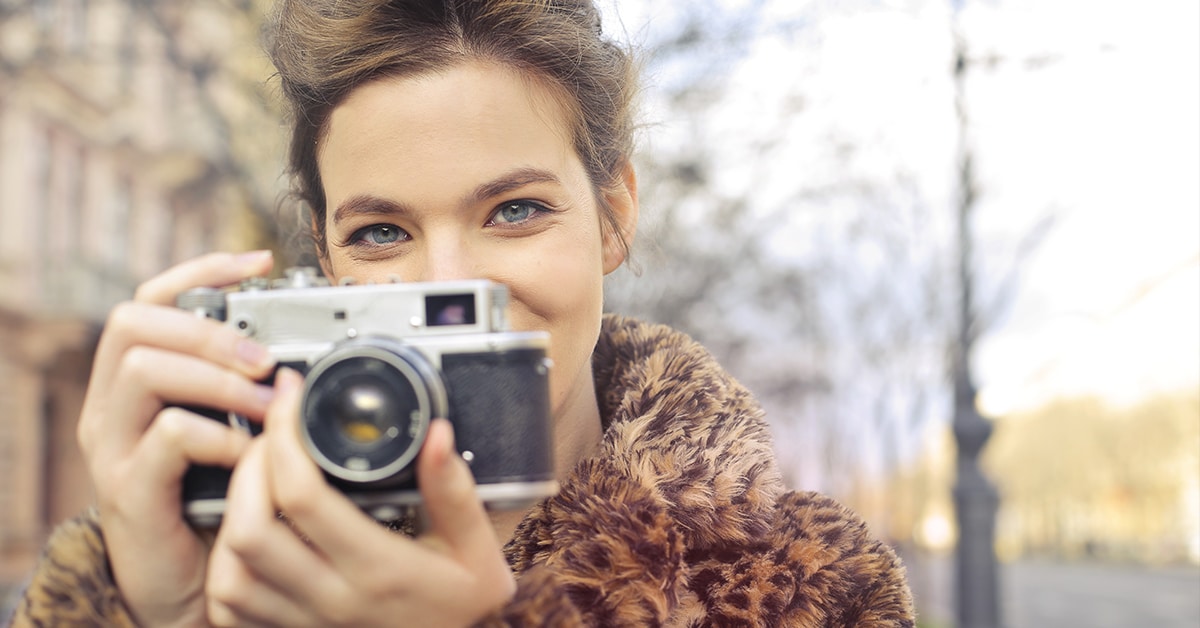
x=152 y=358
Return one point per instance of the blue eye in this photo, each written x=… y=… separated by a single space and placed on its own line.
x=516 y=212
x=379 y=235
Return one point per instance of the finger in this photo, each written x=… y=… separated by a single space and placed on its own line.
x=267 y=610
x=263 y=570
x=178 y=438
x=364 y=553
x=458 y=524
x=236 y=597
x=271 y=546
x=214 y=270
x=456 y=515
x=175 y=438
x=133 y=324
x=150 y=378
x=345 y=535
x=144 y=501
x=221 y=615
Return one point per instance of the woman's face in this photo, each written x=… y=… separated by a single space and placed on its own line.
x=471 y=173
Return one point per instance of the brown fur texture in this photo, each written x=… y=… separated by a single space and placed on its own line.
x=72 y=585
x=680 y=519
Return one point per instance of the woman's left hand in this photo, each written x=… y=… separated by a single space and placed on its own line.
x=330 y=564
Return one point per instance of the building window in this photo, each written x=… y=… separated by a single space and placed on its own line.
x=120 y=215
x=40 y=141
x=63 y=24
x=127 y=53
x=73 y=25
x=65 y=200
x=75 y=164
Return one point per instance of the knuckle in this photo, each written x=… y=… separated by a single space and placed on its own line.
x=244 y=541
x=124 y=316
x=170 y=427
x=225 y=594
x=142 y=292
x=295 y=500
x=137 y=363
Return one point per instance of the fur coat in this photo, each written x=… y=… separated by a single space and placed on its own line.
x=679 y=519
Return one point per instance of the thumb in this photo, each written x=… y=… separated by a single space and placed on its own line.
x=455 y=513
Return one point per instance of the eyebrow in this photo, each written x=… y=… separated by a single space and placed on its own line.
x=369 y=205
x=513 y=180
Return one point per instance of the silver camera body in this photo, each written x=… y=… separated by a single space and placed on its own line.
x=380 y=362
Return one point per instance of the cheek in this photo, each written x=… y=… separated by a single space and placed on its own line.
x=564 y=296
x=565 y=299
x=557 y=282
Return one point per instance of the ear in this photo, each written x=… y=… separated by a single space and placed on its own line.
x=623 y=202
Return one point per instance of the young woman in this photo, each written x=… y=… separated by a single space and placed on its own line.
x=440 y=140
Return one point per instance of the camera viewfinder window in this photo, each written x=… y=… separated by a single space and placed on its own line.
x=450 y=309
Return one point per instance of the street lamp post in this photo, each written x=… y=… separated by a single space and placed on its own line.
x=975 y=503
x=976 y=500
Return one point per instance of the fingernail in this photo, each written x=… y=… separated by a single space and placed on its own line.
x=449 y=429
x=254 y=258
x=266 y=394
x=253 y=353
x=287 y=380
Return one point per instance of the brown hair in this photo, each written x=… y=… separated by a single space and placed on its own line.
x=323 y=49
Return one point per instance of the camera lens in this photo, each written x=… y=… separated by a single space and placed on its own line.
x=366 y=411
x=367 y=406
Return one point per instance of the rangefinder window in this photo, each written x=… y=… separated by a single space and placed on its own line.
x=450 y=309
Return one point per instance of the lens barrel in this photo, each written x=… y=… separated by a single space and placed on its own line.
x=367 y=407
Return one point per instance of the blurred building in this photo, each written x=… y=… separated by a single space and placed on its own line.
x=1087 y=480
x=115 y=162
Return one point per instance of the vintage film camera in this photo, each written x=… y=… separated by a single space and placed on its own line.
x=381 y=361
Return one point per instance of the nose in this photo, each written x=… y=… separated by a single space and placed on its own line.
x=447 y=256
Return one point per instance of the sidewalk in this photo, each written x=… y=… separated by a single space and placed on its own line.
x=1045 y=594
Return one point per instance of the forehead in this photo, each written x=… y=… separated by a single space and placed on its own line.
x=472 y=108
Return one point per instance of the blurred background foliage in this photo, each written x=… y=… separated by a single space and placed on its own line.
x=1081 y=478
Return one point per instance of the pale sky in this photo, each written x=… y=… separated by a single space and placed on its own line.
x=1106 y=136
x=1090 y=116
